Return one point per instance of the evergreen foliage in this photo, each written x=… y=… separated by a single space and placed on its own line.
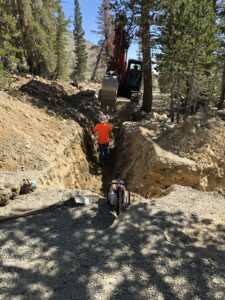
x=80 y=47
x=61 y=63
x=38 y=35
x=188 y=47
x=8 y=37
x=184 y=34
x=189 y=36
x=29 y=36
x=220 y=12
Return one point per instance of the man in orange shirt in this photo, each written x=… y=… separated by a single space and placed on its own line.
x=103 y=130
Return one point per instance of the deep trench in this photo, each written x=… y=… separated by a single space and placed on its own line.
x=84 y=109
x=108 y=171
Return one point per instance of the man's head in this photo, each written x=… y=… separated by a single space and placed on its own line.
x=103 y=118
x=135 y=67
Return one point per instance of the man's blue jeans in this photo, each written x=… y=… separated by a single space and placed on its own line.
x=104 y=153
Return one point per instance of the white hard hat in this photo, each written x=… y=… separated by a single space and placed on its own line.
x=103 y=118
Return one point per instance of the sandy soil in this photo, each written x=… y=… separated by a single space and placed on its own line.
x=190 y=154
x=41 y=144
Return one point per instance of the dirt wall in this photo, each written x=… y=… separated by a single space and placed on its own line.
x=152 y=166
x=41 y=145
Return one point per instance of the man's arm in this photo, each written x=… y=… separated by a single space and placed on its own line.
x=110 y=129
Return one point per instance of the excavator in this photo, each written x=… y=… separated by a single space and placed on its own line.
x=122 y=78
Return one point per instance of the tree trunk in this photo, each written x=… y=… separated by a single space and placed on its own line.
x=190 y=86
x=97 y=63
x=172 y=115
x=146 y=50
x=189 y=95
x=214 y=5
x=107 y=47
x=222 y=95
x=172 y=92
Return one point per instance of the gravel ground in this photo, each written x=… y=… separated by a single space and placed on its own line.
x=41 y=199
x=161 y=249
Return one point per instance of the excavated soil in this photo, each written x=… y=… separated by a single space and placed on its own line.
x=200 y=139
x=43 y=138
x=191 y=154
x=170 y=247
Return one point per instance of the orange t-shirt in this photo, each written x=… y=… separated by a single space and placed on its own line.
x=104 y=130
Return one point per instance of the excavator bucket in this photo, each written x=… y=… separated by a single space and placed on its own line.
x=109 y=93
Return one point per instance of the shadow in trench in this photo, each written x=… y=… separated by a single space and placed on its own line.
x=108 y=170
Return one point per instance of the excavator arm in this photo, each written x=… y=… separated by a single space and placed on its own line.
x=115 y=82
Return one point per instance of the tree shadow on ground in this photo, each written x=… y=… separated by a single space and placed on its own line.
x=86 y=253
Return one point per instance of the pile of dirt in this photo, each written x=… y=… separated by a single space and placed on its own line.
x=83 y=107
x=42 y=138
x=200 y=139
x=191 y=155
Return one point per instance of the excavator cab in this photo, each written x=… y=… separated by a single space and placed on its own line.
x=114 y=86
x=122 y=78
x=133 y=78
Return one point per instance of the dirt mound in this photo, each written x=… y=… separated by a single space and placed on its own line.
x=83 y=106
x=199 y=139
x=190 y=155
x=37 y=143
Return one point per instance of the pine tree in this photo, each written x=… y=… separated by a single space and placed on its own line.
x=80 y=47
x=188 y=45
x=105 y=27
x=60 y=44
x=220 y=12
x=8 y=37
x=37 y=23
x=146 y=52
x=173 y=53
x=105 y=32
x=32 y=34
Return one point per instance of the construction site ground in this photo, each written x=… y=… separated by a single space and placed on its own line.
x=169 y=244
